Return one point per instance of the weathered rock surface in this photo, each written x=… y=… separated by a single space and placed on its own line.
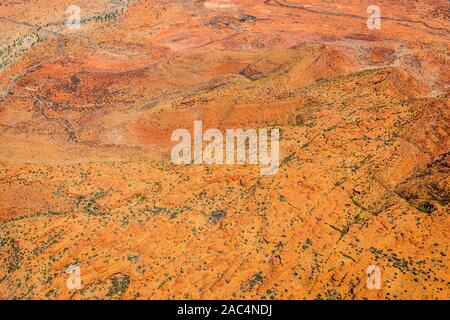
x=86 y=177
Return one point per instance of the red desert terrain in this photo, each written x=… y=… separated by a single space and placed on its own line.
x=86 y=176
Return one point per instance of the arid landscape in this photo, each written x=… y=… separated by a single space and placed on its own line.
x=86 y=176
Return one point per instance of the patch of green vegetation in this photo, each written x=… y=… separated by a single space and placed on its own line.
x=141 y=198
x=84 y=174
x=255 y=280
x=13 y=257
x=426 y=207
x=340 y=182
x=330 y=128
x=270 y=294
x=167 y=279
x=51 y=293
x=216 y=216
x=119 y=285
x=305 y=145
x=58 y=191
x=100 y=194
x=89 y=203
x=359 y=205
x=308 y=243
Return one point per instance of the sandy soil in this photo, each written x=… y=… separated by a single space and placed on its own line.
x=86 y=178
